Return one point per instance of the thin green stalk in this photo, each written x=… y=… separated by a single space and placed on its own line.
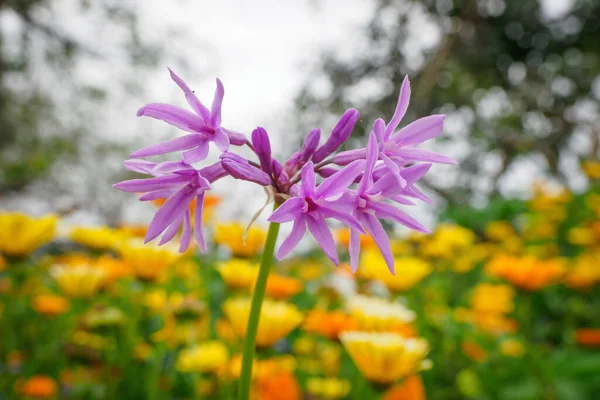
x=257 y=300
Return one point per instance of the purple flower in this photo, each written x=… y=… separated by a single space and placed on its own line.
x=311 y=205
x=370 y=206
x=262 y=148
x=203 y=124
x=340 y=133
x=179 y=183
x=396 y=148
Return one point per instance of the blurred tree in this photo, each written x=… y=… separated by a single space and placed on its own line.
x=50 y=98
x=518 y=80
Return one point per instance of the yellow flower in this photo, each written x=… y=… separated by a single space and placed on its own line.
x=409 y=270
x=591 y=168
x=385 y=357
x=149 y=262
x=581 y=236
x=231 y=235
x=380 y=315
x=490 y=322
x=328 y=388
x=50 y=305
x=142 y=351
x=37 y=387
x=343 y=238
x=98 y=238
x=225 y=330
x=21 y=234
x=155 y=299
x=238 y=273
x=81 y=280
x=205 y=357
x=499 y=230
x=512 y=348
x=527 y=273
x=466 y=261
x=277 y=319
x=113 y=269
x=493 y=298
x=447 y=241
x=585 y=271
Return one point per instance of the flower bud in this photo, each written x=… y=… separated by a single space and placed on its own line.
x=262 y=147
x=310 y=145
x=239 y=168
x=340 y=133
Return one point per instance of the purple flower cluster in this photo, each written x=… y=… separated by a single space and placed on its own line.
x=359 y=187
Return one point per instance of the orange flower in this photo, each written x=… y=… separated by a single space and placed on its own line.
x=343 y=238
x=210 y=202
x=283 y=287
x=50 y=305
x=38 y=386
x=411 y=389
x=584 y=273
x=473 y=351
x=281 y=385
x=588 y=337
x=328 y=323
x=493 y=323
x=527 y=273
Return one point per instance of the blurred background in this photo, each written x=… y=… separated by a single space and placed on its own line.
x=519 y=83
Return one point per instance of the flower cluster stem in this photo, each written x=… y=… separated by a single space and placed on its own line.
x=253 y=320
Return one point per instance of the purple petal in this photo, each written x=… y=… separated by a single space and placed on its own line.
x=340 y=133
x=173 y=208
x=372 y=157
x=239 y=168
x=221 y=140
x=310 y=145
x=354 y=249
x=213 y=172
x=198 y=154
x=401 y=107
x=141 y=166
x=177 y=144
x=345 y=218
x=415 y=172
x=215 y=109
x=401 y=200
x=290 y=243
x=169 y=167
x=413 y=154
x=387 y=211
x=380 y=237
x=235 y=138
x=308 y=180
x=320 y=230
x=283 y=179
x=199 y=222
x=326 y=172
x=394 y=169
x=346 y=157
x=186 y=234
x=292 y=164
x=420 y=130
x=191 y=98
x=176 y=116
x=417 y=194
x=340 y=180
x=150 y=184
x=171 y=231
x=262 y=147
x=157 y=194
x=290 y=209
x=379 y=129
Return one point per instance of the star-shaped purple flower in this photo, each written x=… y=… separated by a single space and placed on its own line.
x=203 y=124
x=396 y=148
x=178 y=183
x=311 y=205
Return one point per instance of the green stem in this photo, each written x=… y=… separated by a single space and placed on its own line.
x=257 y=300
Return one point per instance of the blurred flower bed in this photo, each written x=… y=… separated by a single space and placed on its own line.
x=498 y=303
